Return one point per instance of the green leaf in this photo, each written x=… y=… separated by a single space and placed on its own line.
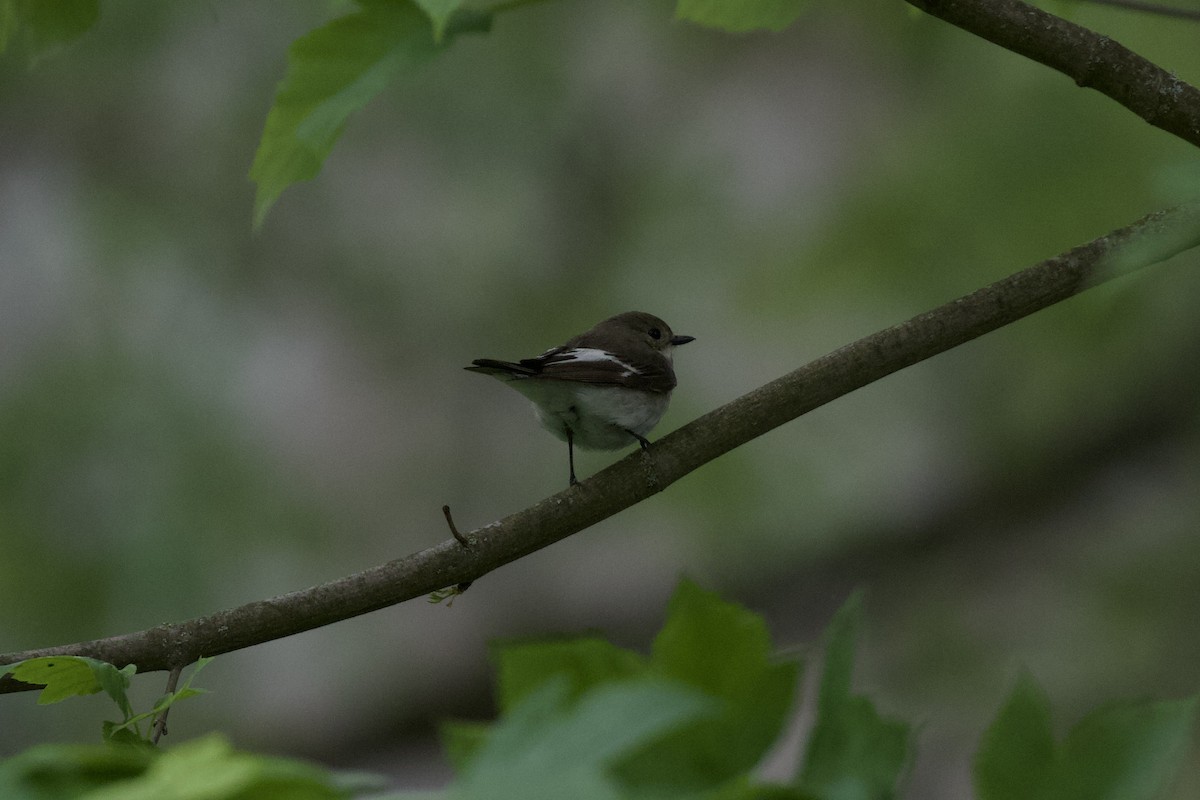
x=45 y=27
x=1125 y=751
x=333 y=72
x=854 y=753
x=1121 y=752
x=462 y=740
x=129 y=727
x=724 y=651
x=439 y=13
x=186 y=690
x=585 y=662
x=114 y=682
x=210 y=769
x=743 y=790
x=203 y=769
x=10 y=22
x=68 y=771
x=549 y=747
x=69 y=676
x=740 y=16
x=356 y=782
x=1015 y=760
x=124 y=734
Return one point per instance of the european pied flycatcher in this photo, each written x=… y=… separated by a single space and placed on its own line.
x=602 y=390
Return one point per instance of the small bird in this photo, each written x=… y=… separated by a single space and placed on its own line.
x=603 y=389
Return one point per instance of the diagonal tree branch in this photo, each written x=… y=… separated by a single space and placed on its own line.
x=1088 y=58
x=640 y=475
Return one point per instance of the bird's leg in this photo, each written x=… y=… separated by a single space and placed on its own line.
x=647 y=459
x=571 y=455
x=642 y=440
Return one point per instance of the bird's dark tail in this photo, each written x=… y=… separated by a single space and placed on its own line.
x=490 y=366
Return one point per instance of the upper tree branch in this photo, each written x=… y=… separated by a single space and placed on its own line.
x=1147 y=241
x=1151 y=8
x=1091 y=60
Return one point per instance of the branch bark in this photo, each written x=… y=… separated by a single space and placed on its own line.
x=642 y=474
x=1086 y=57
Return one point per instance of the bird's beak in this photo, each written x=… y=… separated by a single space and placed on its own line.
x=678 y=340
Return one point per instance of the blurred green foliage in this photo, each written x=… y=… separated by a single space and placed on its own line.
x=204 y=768
x=583 y=718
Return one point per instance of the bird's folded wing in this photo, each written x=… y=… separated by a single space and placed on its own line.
x=595 y=366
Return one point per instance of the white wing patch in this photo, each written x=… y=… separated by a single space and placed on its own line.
x=593 y=354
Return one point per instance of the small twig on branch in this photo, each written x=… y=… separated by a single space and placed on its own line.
x=1152 y=239
x=462 y=586
x=160 y=721
x=1091 y=60
x=454 y=530
x=1151 y=8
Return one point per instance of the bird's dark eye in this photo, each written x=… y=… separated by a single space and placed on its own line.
x=655 y=333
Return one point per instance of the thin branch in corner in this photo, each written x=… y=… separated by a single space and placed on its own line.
x=160 y=721
x=1151 y=8
x=1086 y=57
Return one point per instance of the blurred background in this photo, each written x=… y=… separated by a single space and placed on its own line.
x=194 y=416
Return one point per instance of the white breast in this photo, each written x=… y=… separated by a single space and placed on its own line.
x=601 y=417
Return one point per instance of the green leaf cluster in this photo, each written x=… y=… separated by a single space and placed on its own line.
x=583 y=718
x=74 y=676
x=128 y=766
x=337 y=69
x=203 y=769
